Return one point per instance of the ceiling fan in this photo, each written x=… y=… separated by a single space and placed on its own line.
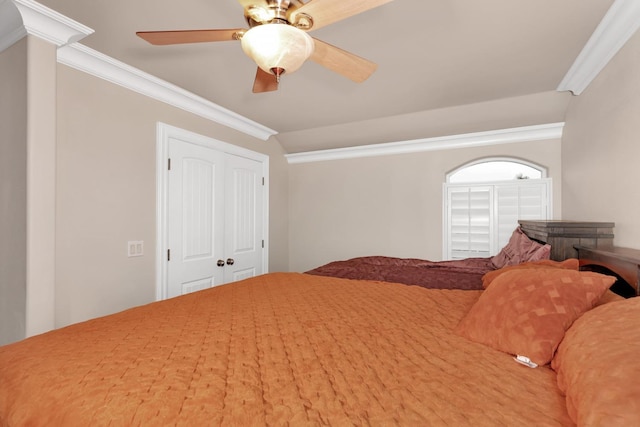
x=277 y=38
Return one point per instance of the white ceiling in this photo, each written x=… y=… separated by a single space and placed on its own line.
x=431 y=55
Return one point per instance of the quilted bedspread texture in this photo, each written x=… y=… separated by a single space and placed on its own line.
x=279 y=349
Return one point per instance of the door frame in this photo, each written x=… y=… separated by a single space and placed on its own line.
x=164 y=133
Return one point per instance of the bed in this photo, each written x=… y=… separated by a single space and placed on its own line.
x=300 y=349
x=452 y=274
x=516 y=339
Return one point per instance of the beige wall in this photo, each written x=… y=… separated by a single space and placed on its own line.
x=525 y=110
x=601 y=149
x=106 y=193
x=13 y=192
x=390 y=205
x=41 y=185
x=27 y=188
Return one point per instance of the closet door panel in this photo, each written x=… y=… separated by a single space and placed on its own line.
x=196 y=218
x=243 y=219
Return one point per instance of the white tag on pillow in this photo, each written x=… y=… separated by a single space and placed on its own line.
x=524 y=360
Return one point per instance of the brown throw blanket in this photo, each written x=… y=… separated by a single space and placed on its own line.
x=459 y=274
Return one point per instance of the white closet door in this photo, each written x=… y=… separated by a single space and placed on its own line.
x=212 y=212
x=243 y=218
x=196 y=218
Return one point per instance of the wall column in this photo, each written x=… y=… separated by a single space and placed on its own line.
x=13 y=192
x=41 y=185
x=30 y=35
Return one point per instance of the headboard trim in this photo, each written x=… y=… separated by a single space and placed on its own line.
x=624 y=262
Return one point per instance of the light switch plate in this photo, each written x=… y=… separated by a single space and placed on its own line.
x=135 y=248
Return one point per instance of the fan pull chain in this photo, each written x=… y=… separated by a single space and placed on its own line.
x=277 y=71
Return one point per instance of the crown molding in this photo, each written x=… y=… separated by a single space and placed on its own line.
x=102 y=66
x=476 y=139
x=19 y=18
x=616 y=28
x=47 y=24
x=11 y=28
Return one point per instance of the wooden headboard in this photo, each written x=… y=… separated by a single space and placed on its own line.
x=564 y=236
x=592 y=243
x=624 y=263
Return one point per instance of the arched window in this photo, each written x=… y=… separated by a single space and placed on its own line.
x=496 y=169
x=484 y=200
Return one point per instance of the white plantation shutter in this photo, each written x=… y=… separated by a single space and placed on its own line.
x=480 y=218
x=527 y=200
x=469 y=213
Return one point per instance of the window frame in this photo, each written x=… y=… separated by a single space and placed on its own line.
x=494 y=237
x=542 y=169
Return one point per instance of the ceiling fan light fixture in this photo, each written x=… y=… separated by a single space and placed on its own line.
x=277 y=46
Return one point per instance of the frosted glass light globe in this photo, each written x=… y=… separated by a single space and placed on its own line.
x=277 y=46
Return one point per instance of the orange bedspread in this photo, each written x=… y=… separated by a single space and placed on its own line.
x=279 y=349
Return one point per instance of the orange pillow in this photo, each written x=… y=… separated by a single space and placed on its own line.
x=608 y=297
x=570 y=264
x=526 y=311
x=597 y=366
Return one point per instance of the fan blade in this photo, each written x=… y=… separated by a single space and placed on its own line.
x=264 y=82
x=342 y=62
x=188 y=36
x=325 y=12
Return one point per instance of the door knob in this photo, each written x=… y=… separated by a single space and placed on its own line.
x=230 y=261
x=220 y=263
